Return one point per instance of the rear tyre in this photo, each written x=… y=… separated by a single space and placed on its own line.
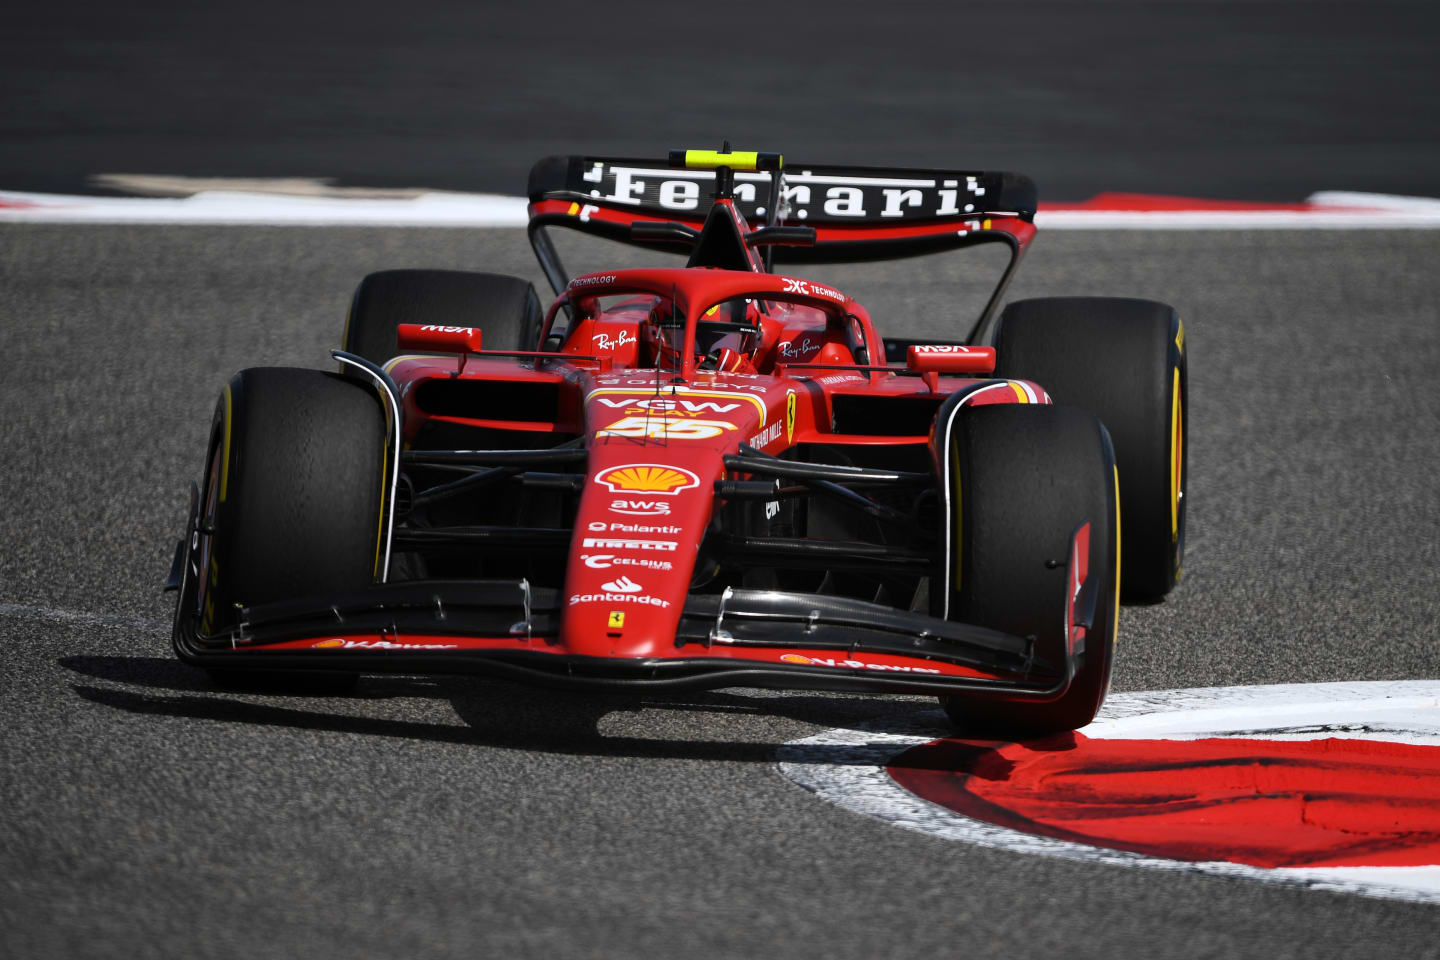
x=506 y=309
x=1124 y=361
x=1020 y=479
x=293 y=496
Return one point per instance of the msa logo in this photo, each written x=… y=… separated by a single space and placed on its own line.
x=622 y=585
x=434 y=328
x=641 y=508
x=941 y=349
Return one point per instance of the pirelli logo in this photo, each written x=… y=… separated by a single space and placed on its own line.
x=617 y=543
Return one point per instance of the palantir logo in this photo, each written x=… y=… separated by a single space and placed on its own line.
x=622 y=585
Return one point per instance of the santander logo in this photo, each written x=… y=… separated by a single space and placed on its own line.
x=622 y=585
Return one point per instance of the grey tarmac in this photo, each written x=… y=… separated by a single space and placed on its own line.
x=149 y=814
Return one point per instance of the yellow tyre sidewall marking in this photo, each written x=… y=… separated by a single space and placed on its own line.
x=1115 y=624
x=1176 y=439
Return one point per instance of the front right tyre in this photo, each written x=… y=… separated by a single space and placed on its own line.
x=505 y=309
x=1125 y=361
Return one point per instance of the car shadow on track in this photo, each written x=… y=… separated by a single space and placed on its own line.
x=495 y=714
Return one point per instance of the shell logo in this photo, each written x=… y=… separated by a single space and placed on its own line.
x=648 y=478
x=796 y=658
x=329 y=644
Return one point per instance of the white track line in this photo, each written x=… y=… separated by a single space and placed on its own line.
x=227 y=207
x=1330 y=210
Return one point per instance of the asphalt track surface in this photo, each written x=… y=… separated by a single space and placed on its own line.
x=146 y=813
x=1241 y=100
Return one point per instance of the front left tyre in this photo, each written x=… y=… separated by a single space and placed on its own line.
x=293 y=498
x=1019 y=481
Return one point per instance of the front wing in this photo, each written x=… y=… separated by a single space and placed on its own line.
x=508 y=630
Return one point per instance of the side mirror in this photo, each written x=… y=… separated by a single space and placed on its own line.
x=432 y=337
x=950 y=358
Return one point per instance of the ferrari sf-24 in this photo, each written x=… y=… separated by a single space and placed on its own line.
x=711 y=475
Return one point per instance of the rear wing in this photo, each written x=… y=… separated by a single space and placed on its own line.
x=858 y=213
x=818 y=194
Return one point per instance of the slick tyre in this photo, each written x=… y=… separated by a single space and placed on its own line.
x=1019 y=480
x=1124 y=361
x=293 y=496
x=506 y=309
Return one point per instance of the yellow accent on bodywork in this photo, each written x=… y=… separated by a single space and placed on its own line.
x=574 y=209
x=225 y=448
x=639 y=395
x=710 y=159
x=1020 y=395
x=1180 y=335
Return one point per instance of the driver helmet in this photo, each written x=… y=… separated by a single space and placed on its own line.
x=728 y=335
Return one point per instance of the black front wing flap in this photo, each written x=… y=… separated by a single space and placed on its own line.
x=737 y=621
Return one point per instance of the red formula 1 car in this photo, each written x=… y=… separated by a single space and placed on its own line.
x=705 y=476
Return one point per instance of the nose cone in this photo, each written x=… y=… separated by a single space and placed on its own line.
x=655 y=454
x=637 y=534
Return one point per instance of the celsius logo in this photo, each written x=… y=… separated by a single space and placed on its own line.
x=604 y=561
x=651 y=478
x=622 y=585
